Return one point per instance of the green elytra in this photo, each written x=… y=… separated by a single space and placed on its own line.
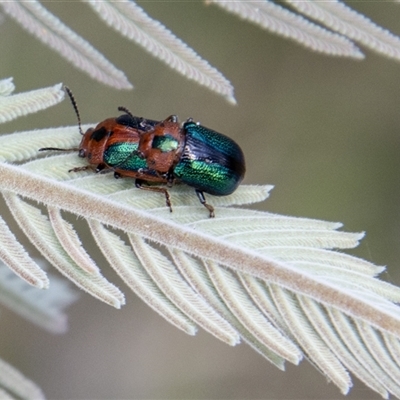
x=210 y=162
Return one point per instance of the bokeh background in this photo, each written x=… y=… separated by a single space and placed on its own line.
x=325 y=131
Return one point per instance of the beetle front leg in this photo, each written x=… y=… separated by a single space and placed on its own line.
x=202 y=199
x=84 y=168
x=98 y=168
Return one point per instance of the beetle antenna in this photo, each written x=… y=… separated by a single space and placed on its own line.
x=56 y=149
x=73 y=102
x=125 y=110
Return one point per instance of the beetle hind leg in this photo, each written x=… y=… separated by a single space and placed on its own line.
x=202 y=199
x=139 y=185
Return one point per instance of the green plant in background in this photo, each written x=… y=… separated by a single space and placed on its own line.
x=271 y=281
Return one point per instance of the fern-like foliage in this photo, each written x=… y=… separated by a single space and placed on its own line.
x=281 y=21
x=338 y=28
x=271 y=281
x=14 y=385
x=342 y=19
x=131 y=21
x=344 y=26
x=52 y=32
x=43 y=308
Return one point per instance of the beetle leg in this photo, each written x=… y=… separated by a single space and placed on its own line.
x=170 y=179
x=139 y=183
x=100 y=167
x=77 y=169
x=202 y=199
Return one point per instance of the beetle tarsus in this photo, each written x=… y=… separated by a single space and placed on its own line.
x=202 y=199
x=78 y=169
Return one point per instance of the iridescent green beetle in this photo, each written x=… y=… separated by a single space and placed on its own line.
x=162 y=152
x=193 y=154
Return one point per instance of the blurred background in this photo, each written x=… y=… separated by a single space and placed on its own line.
x=325 y=131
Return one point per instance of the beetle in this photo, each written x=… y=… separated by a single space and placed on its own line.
x=162 y=152
x=195 y=155
x=112 y=146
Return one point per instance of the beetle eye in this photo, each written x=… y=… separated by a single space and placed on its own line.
x=82 y=153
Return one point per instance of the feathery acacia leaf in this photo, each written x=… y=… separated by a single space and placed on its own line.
x=321 y=323
x=131 y=271
x=18 y=260
x=131 y=21
x=39 y=231
x=168 y=279
x=195 y=273
x=13 y=106
x=267 y=279
x=341 y=18
x=33 y=17
x=6 y=86
x=290 y=25
x=71 y=242
x=311 y=343
x=230 y=290
x=356 y=302
x=17 y=384
x=344 y=25
x=42 y=307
